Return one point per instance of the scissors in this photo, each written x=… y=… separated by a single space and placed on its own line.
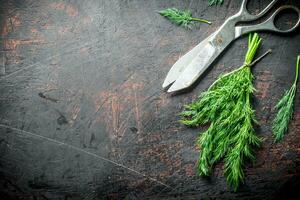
x=190 y=66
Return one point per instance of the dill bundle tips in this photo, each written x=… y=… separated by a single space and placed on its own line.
x=181 y=18
x=285 y=108
x=226 y=107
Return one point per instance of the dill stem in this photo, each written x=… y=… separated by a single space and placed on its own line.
x=292 y=91
x=297 y=69
x=200 y=20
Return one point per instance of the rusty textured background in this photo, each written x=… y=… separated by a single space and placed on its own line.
x=83 y=115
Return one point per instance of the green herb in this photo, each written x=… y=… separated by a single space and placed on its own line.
x=181 y=18
x=285 y=109
x=215 y=2
x=226 y=106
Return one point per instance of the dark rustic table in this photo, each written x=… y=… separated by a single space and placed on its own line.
x=83 y=114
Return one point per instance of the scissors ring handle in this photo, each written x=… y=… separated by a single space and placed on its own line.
x=246 y=16
x=269 y=24
x=286 y=7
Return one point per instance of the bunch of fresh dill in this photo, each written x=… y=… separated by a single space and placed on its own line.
x=285 y=108
x=181 y=18
x=226 y=106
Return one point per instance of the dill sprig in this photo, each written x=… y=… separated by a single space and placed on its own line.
x=215 y=2
x=181 y=18
x=226 y=106
x=285 y=109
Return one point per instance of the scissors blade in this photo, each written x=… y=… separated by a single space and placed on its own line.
x=209 y=50
x=198 y=65
x=183 y=62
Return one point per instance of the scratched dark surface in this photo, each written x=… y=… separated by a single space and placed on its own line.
x=83 y=114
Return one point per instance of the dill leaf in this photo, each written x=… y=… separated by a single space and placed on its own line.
x=181 y=18
x=215 y=2
x=226 y=105
x=285 y=109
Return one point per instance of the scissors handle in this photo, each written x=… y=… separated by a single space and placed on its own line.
x=269 y=24
x=246 y=16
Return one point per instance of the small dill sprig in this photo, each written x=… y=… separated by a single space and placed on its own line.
x=181 y=18
x=215 y=2
x=226 y=106
x=285 y=109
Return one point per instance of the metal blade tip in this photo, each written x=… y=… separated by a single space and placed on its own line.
x=167 y=83
x=176 y=87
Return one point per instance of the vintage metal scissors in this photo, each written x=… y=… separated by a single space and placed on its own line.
x=190 y=66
